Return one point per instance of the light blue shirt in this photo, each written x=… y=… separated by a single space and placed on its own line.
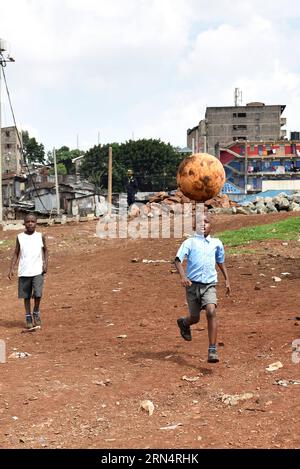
x=202 y=254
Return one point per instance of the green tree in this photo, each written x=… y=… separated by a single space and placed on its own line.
x=33 y=151
x=61 y=169
x=64 y=156
x=153 y=162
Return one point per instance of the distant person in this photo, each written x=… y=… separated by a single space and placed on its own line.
x=32 y=253
x=131 y=187
x=293 y=167
x=200 y=279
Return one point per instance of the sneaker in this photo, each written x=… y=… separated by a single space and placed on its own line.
x=185 y=330
x=37 y=319
x=29 y=324
x=212 y=356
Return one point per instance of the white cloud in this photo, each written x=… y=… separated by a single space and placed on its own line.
x=145 y=66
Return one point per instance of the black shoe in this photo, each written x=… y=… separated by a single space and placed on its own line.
x=185 y=330
x=212 y=356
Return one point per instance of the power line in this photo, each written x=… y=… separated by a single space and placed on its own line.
x=18 y=136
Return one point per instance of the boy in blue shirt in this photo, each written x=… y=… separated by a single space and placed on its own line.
x=200 y=279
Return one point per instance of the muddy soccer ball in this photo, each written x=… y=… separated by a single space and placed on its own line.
x=200 y=176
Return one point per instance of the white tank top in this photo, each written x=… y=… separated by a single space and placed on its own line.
x=31 y=259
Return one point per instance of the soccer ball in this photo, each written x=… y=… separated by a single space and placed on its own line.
x=200 y=177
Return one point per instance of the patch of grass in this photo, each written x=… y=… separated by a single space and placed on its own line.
x=283 y=230
x=239 y=251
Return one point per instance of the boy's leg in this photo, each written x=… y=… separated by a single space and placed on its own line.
x=38 y=282
x=212 y=324
x=212 y=327
x=36 y=308
x=36 y=312
x=27 y=306
x=194 y=313
x=25 y=288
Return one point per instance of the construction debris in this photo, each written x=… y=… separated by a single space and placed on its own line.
x=286 y=382
x=274 y=366
x=165 y=203
x=229 y=399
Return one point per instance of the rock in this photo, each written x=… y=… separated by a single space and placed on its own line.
x=148 y=406
x=271 y=207
x=191 y=380
x=242 y=211
x=229 y=399
x=274 y=366
x=144 y=323
x=294 y=207
x=282 y=203
x=19 y=355
x=276 y=279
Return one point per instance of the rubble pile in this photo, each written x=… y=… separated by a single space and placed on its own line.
x=281 y=202
x=163 y=202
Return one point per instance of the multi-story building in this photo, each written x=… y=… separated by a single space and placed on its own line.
x=259 y=166
x=222 y=125
x=11 y=150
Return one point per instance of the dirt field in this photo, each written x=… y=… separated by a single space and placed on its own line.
x=81 y=386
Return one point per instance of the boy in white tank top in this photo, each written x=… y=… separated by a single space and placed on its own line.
x=32 y=253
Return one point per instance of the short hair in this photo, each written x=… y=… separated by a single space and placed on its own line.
x=30 y=214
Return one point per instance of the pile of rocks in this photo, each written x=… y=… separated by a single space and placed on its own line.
x=220 y=201
x=163 y=202
x=281 y=202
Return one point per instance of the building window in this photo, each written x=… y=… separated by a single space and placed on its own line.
x=234 y=114
x=8 y=146
x=239 y=127
x=7 y=133
x=242 y=114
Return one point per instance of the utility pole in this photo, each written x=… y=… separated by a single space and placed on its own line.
x=56 y=183
x=1 y=202
x=109 y=191
x=246 y=168
x=3 y=61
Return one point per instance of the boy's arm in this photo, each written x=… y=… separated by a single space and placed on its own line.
x=223 y=269
x=185 y=282
x=45 y=255
x=14 y=259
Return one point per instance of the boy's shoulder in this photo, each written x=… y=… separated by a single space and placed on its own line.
x=216 y=240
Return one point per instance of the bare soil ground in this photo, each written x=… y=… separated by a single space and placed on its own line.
x=81 y=386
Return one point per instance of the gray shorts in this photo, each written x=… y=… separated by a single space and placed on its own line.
x=31 y=287
x=199 y=295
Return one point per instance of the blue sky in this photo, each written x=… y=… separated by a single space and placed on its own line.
x=144 y=68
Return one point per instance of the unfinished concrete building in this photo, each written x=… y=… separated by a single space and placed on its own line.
x=11 y=150
x=223 y=125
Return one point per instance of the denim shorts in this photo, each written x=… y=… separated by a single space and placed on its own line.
x=199 y=295
x=31 y=287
